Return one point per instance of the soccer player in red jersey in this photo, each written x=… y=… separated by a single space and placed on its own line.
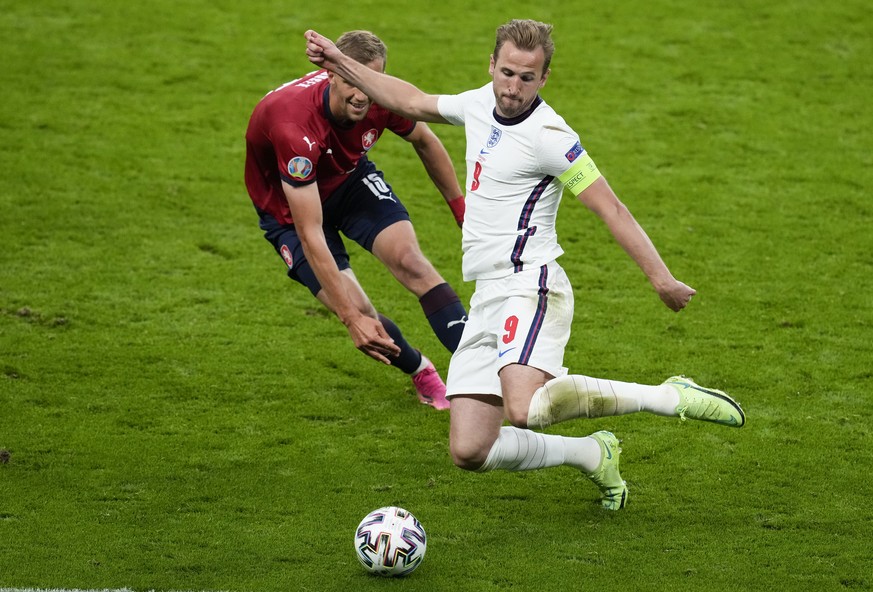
x=309 y=177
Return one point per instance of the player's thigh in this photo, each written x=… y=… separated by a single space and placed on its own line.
x=475 y=425
x=364 y=207
x=288 y=245
x=533 y=321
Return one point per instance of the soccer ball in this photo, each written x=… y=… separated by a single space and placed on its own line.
x=390 y=542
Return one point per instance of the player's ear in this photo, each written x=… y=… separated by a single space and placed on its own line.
x=545 y=77
x=491 y=66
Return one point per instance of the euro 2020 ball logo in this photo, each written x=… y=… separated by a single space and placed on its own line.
x=299 y=167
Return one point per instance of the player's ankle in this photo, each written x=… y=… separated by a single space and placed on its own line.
x=423 y=365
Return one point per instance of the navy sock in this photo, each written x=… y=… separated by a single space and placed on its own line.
x=445 y=313
x=410 y=358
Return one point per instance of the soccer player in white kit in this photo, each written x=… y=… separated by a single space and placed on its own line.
x=520 y=156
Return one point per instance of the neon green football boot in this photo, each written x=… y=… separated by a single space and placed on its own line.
x=606 y=475
x=706 y=404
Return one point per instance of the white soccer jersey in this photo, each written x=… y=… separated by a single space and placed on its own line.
x=512 y=189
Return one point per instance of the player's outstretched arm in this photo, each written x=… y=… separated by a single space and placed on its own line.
x=390 y=92
x=600 y=199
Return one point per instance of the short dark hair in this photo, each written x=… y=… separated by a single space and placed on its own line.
x=527 y=35
x=362 y=46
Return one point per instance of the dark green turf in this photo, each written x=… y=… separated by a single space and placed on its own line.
x=181 y=417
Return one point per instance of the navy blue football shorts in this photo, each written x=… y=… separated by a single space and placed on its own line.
x=362 y=207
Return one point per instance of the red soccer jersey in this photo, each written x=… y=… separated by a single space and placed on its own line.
x=293 y=137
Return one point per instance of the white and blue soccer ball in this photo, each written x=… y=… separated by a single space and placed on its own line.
x=390 y=542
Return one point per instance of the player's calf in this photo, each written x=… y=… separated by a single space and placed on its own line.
x=575 y=396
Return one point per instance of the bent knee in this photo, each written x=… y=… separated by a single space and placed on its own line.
x=468 y=459
x=468 y=464
x=517 y=417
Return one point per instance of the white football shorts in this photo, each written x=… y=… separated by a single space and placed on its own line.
x=523 y=318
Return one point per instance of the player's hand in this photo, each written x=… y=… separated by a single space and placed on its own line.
x=320 y=50
x=371 y=338
x=676 y=295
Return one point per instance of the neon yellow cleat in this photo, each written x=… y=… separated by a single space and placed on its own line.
x=697 y=402
x=606 y=476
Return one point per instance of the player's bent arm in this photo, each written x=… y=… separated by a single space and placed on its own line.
x=367 y=333
x=600 y=199
x=439 y=167
x=392 y=93
x=305 y=204
x=585 y=182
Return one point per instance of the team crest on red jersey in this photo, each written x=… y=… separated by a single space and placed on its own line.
x=286 y=255
x=369 y=138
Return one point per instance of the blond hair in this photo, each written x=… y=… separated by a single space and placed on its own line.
x=527 y=35
x=362 y=46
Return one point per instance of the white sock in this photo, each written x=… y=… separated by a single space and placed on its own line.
x=575 y=395
x=582 y=453
x=632 y=397
x=422 y=365
x=523 y=450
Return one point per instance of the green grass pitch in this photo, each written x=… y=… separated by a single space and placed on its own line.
x=179 y=416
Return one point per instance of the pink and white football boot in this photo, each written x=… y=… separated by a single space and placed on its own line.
x=430 y=387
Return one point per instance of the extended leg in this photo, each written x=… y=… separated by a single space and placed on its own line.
x=576 y=396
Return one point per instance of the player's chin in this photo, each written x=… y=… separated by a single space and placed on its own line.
x=511 y=109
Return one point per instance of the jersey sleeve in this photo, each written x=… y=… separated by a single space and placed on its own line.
x=400 y=125
x=454 y=108
x=451 y=107
x=561 y=155
x=297 y=153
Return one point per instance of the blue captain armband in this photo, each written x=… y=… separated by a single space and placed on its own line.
x=581 y=175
